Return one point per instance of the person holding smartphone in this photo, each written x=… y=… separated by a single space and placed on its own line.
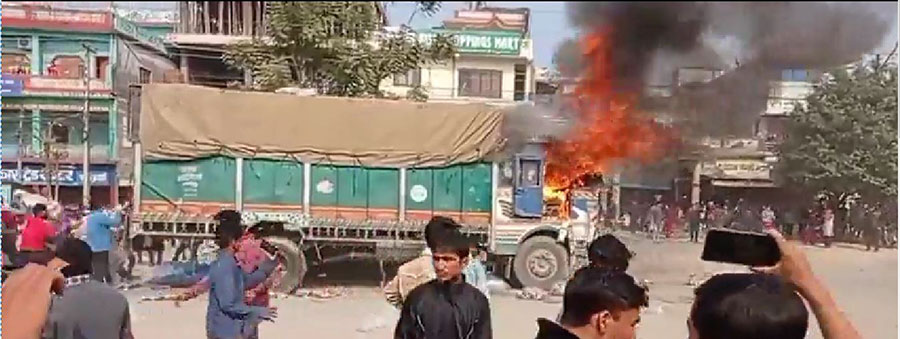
x=768 y=303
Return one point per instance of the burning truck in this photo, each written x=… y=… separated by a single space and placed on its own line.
x=330 y=179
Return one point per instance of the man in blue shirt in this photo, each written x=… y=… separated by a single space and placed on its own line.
x=475 y=273
x=100 y=224
x=228 y=316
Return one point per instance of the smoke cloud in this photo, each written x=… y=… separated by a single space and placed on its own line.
x=758 y=39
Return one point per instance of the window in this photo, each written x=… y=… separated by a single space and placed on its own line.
x=519 y=84
x=60 y=133
x=480 y=83
x=145 y=76
x=530 y=176
x=66 y=66
x=16 y=63
x=102 y=66
x=794 y=75
x=412 y=78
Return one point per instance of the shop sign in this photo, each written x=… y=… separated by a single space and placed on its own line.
x=11 y=86
x=62 y=19
x=479 y=42
x=64 y=176
x=138 y=33
x=738 y=169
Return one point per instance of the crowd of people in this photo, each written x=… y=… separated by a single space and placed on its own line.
x=63 y=292
x=820 y=223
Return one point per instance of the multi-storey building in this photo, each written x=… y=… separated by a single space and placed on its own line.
x=54 y=59
x=494 y=60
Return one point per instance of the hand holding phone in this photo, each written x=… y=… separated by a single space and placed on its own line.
x=745 y=248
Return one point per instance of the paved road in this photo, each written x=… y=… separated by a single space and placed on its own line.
x=864 y=283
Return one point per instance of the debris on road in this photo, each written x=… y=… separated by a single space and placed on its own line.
x=325 y=293
x=531 y=293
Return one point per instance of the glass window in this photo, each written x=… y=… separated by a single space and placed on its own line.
x=413 y=78
x=480 y=83
x=530 y=176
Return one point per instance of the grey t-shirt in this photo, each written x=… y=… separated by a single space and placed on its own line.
x=89 y=310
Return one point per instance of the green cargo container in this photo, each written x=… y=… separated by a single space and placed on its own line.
x=456 y=189
x=272 y=182
x=201 y=180
x=463 y=188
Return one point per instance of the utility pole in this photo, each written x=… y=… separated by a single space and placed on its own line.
x=86 y=129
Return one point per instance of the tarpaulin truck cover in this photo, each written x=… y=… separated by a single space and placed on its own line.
x=182 y=122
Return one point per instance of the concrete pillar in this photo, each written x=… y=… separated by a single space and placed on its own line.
x=36 y=143
x=617 y=194
x=183 y=65
x=113 y=127
x=604 y=200
x=36 y=65
x=695 y=183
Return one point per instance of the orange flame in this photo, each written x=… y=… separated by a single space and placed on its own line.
x=609 y=129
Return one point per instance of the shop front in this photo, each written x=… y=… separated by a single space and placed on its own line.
x=64 y=182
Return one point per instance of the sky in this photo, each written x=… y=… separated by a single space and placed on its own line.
x=549 y=24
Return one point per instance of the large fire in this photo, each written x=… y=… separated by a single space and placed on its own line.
x=609 y=128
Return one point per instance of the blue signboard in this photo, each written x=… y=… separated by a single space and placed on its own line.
x=64 y=176
x=11 y=86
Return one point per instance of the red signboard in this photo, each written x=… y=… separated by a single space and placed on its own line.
x=62 y=19
x=45 y=84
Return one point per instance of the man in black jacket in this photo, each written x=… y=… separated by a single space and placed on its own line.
x=446 y=307
x=599 y=303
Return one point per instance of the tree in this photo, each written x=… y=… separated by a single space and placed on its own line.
x=339 y=48
x=843 y=142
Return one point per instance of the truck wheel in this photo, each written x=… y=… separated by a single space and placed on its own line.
x=293 y=262
x=541 y=262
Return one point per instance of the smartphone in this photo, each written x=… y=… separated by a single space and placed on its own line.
x=736 y=247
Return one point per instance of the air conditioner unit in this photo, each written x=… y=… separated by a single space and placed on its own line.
x=23 y=43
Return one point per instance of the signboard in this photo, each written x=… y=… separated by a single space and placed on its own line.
x=11 y=86
x=65 y=176
x=61 y=19
x=748 y=169
x=46 y=83
x=140 y=34
x=479 y=42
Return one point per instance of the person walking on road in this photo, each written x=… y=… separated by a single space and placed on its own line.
x=768 y=218
x=694 y=219
x=655 y=217
x=227 y=315
x=872 y=229
x=100 y=227
x=828 y=226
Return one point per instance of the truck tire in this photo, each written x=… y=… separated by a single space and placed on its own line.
x=541 y=262
x=294 y=262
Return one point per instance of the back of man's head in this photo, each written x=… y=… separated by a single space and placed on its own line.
x=438 y=227
x=38 y=209
x=77 y=254
x=228 y=216
x=608 y=251
x=230 y=228
x=748 y=306
x=593 y=290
